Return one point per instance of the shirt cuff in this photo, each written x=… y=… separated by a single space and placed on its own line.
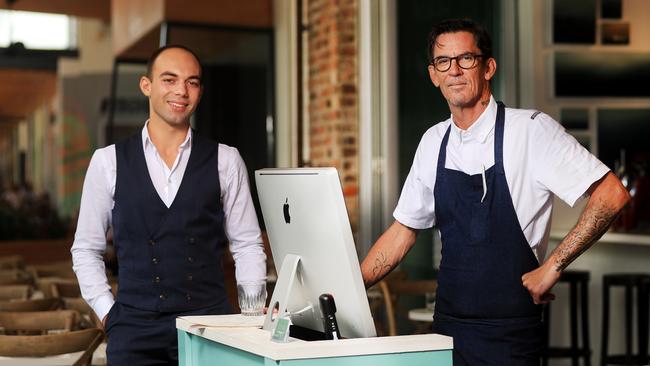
x=103 y=305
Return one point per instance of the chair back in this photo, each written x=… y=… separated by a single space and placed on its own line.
x=15 y=292
x=57 y=270
x=65 y=289
x=39 y=320
x=15 y=277
x=394 y=288
x=88 y=317
x=86 y=340
x=30 y=305
x=12 y=262
x=46 y=285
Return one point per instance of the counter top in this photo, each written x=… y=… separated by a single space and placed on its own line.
x=253 y=339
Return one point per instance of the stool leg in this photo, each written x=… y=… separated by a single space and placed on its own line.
x=605 y=330
x=584 y=304
x=629 y=357
x=644 y=326
x=573 y=299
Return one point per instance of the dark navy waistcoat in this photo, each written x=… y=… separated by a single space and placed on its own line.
x=169 y=258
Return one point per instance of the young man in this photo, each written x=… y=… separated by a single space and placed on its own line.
x=486 y=178
x=174 y=200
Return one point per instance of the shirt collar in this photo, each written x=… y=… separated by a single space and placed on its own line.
x=479 y=130
x=147 y=143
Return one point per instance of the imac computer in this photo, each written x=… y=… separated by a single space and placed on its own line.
x=311 y=241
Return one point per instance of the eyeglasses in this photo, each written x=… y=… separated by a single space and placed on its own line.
x=465 y=61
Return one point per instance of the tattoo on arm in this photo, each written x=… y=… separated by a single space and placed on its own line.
x=381 y=266
x=593 y=223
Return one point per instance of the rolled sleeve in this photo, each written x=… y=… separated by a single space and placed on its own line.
x=90 y=237
x=242 y=227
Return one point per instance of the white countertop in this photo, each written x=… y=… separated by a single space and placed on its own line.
x=255 y=340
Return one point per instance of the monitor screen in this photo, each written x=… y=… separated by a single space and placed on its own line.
x=305 y=216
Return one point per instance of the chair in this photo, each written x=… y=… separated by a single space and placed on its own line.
x=39 y=320
x=630 y=282
x=88 y=317
x=47 y=284
x=86 y=340
x=68 y=341
x=57 y=270
x=644 y=321
x=576 y=280
x=12 y=262
x=31 y=305
x=15 y=292
x=65 y=289
x=394 y=288
x=391 y=328
x=15 y=277
x=382 y=309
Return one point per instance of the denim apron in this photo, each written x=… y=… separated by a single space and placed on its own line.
x=481 y=301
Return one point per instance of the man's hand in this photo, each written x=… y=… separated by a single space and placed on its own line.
x=540 y=281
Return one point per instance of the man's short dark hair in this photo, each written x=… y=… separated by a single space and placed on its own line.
x=481 y=36
x=154 y=56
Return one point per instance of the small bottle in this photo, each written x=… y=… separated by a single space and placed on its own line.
x=328 y=310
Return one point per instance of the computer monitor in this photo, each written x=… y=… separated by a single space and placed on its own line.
x=313 y=248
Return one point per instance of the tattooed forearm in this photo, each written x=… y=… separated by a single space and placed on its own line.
x=593 y=223
x=381 y=266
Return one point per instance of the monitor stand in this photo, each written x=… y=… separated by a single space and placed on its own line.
x=289 y=287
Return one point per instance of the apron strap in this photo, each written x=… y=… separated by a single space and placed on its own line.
x=498 y=138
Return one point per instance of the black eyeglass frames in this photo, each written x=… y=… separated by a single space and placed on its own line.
x=465 y=61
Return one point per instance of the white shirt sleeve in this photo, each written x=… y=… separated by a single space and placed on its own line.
x=563 y=166
x=241 y=225
x=415 y=207
x=90 y=238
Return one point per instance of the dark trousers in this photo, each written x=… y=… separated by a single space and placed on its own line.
x=138 y=337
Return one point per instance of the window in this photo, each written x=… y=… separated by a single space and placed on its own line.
x=37 y=30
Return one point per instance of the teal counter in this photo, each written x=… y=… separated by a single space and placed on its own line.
x=211 y=340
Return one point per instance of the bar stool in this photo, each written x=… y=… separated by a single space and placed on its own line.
x=578 y=282
x=644 y=320
x=629 y=281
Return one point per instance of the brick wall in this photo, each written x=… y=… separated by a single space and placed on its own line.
x=333 y=97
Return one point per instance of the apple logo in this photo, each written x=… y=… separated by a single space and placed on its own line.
x=285 y=209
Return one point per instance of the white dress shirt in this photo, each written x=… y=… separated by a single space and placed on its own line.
x=97 y=201
x=539 y=158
